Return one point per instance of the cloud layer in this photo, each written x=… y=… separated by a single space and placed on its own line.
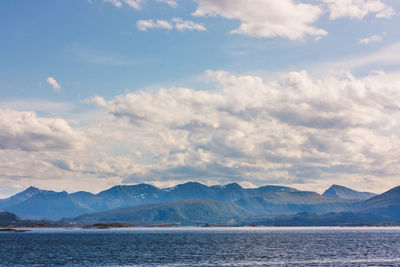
x=296 y=130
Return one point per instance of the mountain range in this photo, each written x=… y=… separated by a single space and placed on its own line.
x=192 y=202
x=34 y=203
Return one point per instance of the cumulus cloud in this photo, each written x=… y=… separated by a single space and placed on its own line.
x=266 y=18
x=358 y=9
x=55 y=170
x=179 y=24
x=144 y=25
x=26 y=131
x=296 y=130
x=56 y=86
x=372 y=39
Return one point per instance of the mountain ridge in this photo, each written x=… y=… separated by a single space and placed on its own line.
x=63 y=204
x=270 y=206
x=36 y=204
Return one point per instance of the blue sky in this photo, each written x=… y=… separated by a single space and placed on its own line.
x=91 y=93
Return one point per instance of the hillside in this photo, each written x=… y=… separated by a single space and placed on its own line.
x=386 y=204
x=7 y=218
x=294 y=202
x=184 y=211
x=383 y=209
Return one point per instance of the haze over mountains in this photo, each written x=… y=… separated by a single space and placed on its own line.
x=192 y=202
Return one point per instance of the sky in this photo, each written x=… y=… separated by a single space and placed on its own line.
x=302 y=93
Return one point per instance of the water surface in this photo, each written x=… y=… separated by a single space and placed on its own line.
x=202 y=247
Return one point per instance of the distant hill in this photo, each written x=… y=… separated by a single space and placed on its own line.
x=385 y=205
x=341 y=192
x=382 y=209
x=40 y=204
x=184 y=212
x=7 y=218
x=218 y=212
x=294 y=202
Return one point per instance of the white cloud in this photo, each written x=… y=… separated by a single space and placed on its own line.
x=179 y=24
x=182 y=25
x=266 y=18
x=16 y=171
x=144 y=25
x=296 y=130
x=136 y=4
x=116 y=3
x=53 y=83
x=358 y=9
x=171 y=3
x=26 y=131
x=372 y=39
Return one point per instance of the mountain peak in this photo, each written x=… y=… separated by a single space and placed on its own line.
x=191 y=184
x=234 y=185
x=337 y=186
x=32 y=188
x=27 y=193
x=342 y=192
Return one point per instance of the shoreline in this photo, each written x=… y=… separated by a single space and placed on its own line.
x=192 y=228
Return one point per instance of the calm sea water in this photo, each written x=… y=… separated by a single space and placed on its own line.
x=203 y=247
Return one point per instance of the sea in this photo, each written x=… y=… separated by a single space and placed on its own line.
x=198 y=246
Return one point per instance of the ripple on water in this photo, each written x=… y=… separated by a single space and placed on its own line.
x=202 y=247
